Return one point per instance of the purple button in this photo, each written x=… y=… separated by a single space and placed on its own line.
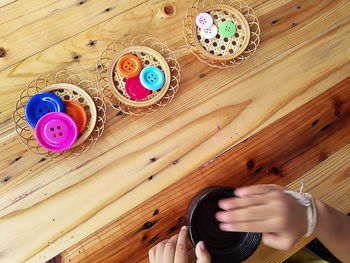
x=204 y=20
x=56 y=131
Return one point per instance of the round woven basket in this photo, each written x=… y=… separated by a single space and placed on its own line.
x=67 y=91
x=148 y=57
x=151 y=52
x=221 y=51
x=68 y=86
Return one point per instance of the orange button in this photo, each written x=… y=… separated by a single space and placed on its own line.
x=77 y=112
x=129 y=66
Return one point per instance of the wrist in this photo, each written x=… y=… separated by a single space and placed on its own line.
x=321 y=211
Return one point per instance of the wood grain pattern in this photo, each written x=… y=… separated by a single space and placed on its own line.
x=77 y=54
x=213 y=110
x=46 y=23
x=279 y=154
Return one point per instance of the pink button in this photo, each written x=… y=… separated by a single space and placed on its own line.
x=204 y=20
x=56 y=131
x=135 y=90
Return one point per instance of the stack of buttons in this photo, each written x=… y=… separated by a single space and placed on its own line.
x=209 y=30
x=57 y=123
x=140 y=81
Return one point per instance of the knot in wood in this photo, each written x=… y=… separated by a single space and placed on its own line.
x=168 y=10
x=2 y=52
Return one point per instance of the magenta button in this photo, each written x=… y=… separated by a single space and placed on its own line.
x=135 y=90
x=56 y=131
x=204 y=20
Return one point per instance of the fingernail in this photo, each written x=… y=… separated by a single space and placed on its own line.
x=219 y=216
x=201 y=245
x=184 y=228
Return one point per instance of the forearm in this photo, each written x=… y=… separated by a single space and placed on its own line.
x=333 y=230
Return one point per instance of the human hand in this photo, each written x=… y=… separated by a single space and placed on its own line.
x=174 y=250
x=266 y=209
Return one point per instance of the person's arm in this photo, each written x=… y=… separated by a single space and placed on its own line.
x=282 y=220
x=333 y=230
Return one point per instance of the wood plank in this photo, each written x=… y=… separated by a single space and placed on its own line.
x=279 y=154
x=61 y=170
x=6 y=2
x=204 y=87
x=36 y=189
x=76 y=54
x=43 y=24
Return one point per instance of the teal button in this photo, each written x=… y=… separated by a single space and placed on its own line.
x=227 y=29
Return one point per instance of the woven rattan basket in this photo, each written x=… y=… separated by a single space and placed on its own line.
x=151 y=52
x=220 y=51
x=68 y=86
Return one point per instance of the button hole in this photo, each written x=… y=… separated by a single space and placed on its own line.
x=40 y=110
x=58 y=127
x=45 y=106
x=50 y=110
x=60 y=134
x=53 y=135
x=52 y=129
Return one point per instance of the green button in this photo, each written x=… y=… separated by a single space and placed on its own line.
x=227 y=29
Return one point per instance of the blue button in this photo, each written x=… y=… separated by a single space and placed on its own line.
x=152 y=78
x=41 y=104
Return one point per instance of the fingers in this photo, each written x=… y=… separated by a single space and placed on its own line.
x=160 y=251
x=169 y=250
x=259 y=189
x=236 y=202
x=202 y=253
x=152 y=255
x=181 y=247
x=173 y=250
x=254 y=226
x=252 y=213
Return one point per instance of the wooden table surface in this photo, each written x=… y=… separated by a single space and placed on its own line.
x=281 y=116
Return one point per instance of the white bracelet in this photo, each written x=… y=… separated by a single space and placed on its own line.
x=306 y=199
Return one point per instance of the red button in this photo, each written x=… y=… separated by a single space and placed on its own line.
x=135 y=90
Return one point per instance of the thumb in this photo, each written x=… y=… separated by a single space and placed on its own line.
x=202 y=253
